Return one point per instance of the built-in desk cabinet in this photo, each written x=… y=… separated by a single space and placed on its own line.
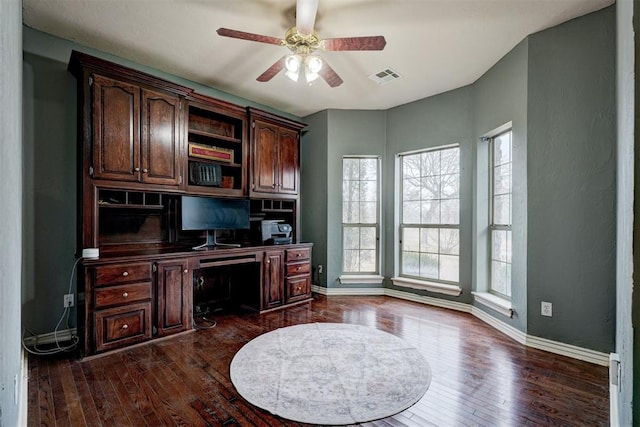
x=143 y=142
x=273 y=280
x=173 y=296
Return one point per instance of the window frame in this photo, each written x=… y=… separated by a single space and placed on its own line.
x=375 y=225
x=492 y=226
x=437 y=226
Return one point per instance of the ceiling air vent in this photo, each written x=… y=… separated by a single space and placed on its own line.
x=385 y=76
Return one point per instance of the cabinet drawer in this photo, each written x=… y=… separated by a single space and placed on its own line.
x=298 y=288
x=120 y=326
x=295 y=268
x=122 y=294
x=298 y=254
x=123 y=273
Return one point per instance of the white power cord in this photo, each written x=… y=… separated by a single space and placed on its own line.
x=65 y=314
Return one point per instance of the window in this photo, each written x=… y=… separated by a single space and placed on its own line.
x=430 y=215
x=360 y=190
x=500 y=188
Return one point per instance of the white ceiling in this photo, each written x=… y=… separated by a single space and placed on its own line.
x=435 y=45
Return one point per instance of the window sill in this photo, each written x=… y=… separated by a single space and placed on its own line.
x=501 y=305
x=440 y=288
x=351 y=279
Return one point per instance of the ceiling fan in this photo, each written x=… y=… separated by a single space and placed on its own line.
x=303 y=41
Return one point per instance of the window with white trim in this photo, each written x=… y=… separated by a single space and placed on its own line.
x=360 y=229
x=430 y=215
x=500 y=196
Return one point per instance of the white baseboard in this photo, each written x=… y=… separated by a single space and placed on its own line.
x=50 y=337
x=544 y=344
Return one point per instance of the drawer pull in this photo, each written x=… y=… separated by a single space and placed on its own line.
x=298 y=254
x=298 y=288
x=125 y=294
x=125 y=326
x=125 y=273
x=297 y=268
x=185 y=271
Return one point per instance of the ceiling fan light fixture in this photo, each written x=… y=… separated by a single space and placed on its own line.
x=293 y=63
x=313 y=63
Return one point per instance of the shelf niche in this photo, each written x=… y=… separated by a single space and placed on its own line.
x=216 y=151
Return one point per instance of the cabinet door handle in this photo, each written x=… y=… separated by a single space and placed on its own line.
x=185 y=271
x=145 y=170
x=125 y=326
x=136 y=169
x=268 y=261
x=125 y=294
x=125 y=273
x=273 y=186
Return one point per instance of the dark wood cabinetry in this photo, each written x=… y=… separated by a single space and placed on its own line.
x=136 y=133
x=298 y=274
x=275 y=165
x=143 y=142
x=119 y=304
x=173 y=296
x=273 y=280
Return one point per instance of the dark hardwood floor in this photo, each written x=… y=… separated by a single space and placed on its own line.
x=480 y=376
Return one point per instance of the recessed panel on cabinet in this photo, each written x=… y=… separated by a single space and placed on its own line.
x=116 y=134
x=120 y=326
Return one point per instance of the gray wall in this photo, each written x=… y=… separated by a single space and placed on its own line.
x=571 y=134
x=499 y=97
x=50 y=143
x=349 y=133
x=439 y=120
x=557 y=88
x=49 y=159
x=11 y=408
x=313 y=191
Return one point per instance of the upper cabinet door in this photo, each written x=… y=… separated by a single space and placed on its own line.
x=265 y=157
x=116 y=130
x=161 y=153
x=289 y=168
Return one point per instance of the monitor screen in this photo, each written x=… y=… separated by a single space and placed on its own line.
x=207 y=213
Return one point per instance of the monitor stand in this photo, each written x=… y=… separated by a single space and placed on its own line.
x=212 y=241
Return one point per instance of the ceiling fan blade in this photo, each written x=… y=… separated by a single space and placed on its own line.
x=273 y=70
x=354 y=43
x=330 y=76
x=306 y=16
x=235 y=34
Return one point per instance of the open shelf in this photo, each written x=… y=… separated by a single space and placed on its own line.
x=215 y=136
x=215 y=158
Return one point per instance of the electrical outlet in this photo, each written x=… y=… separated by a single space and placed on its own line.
x=68 y=300
x=320 y=269
x=546 y=309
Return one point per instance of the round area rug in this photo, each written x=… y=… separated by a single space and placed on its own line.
x=330 y=373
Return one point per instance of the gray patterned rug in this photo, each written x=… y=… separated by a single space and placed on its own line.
x=330 y=373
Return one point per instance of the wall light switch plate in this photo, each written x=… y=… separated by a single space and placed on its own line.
x=546 y=309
